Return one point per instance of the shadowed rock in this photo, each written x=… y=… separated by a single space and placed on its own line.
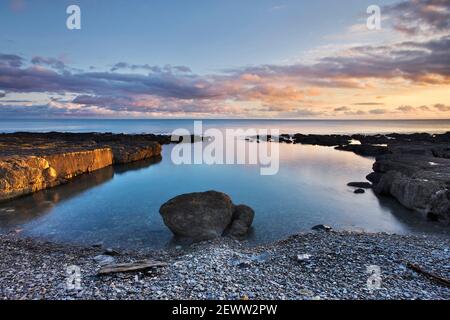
x=365 y=150
x=205 y=215
x=242 y=220
x=360 y=185
x=420 y=183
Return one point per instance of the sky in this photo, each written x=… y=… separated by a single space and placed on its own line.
x=225 y=59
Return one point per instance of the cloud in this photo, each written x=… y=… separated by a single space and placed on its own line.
x=168 y=69
x=406 y=109
x=420 y=62
x=378 y=111
x=10 y=60
x=442 y=107
x=341 y=109
x=2 y=94
x=414 y=17
x=273 y=89
x=355 y=113
x=368 y=104
x=51 y=62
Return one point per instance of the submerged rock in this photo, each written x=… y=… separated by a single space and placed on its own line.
x=359 y=191
x=206 y=215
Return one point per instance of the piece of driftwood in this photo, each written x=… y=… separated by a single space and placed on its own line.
x=430 y=275
x=130 y=267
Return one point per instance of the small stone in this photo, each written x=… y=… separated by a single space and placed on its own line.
x=111 y=252
x=322 y=227
x=104 y=260
x=303 y=257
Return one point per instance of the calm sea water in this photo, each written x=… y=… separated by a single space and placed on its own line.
x=285 y=126
x=119 y=206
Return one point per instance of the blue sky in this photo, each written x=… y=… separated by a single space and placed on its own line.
x=205 y=35
x=247 y=58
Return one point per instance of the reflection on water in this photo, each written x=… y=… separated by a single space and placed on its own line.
x=24 y=209
x=119 y=206
x=40 y=203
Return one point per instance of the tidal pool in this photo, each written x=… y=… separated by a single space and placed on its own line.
x=118 y=206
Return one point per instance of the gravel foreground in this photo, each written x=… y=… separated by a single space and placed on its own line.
x=325 y=265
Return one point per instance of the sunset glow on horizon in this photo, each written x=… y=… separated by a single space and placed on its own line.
x=228 y=59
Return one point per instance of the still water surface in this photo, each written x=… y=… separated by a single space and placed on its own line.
x=119 y=206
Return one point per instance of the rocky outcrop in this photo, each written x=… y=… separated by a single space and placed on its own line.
x=366 y=150
x=24 y=175
x=206 y=215
x=31 y=162
x=360 y=185
x=418 y=182
x=132 y=153
x=321 y=140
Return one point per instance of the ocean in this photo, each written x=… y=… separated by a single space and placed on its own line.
x=119 y=206
x=158 y=126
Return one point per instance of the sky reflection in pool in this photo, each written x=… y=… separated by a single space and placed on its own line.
x=119 y=206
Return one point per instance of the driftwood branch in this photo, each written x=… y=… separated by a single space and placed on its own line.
x=430 y=275
x=130 y=267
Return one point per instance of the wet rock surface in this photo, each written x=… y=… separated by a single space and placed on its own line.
x=206 y=215
x=328 y=265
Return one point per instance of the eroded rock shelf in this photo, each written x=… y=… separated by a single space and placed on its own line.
x=30 y=162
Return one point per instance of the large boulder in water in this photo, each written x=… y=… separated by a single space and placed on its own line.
x=206 y=215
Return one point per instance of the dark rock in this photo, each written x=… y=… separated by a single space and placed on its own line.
x=359 y=191
x=242 y=220
x=321 y=140
x=365 y=150
x=419 y=183
x=206 y=215
x=374 y=177
x=286 y=138
x=377 y=139
x=111 y=252
x=322 y=227
x=361 y=185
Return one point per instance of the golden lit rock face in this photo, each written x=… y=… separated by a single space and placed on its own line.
x=29 y=163
x=21 y=176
